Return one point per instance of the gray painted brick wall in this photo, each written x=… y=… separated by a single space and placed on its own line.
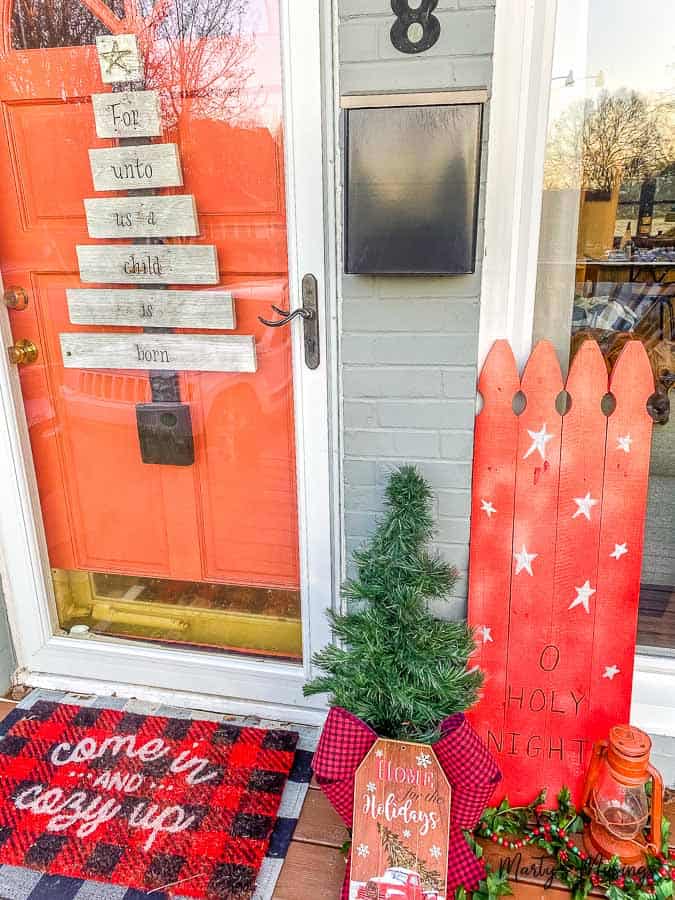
x=408 y=344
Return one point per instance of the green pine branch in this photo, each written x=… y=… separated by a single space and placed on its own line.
x=396 y=666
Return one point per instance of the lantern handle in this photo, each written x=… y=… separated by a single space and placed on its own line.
x=657 y=806
x=599 y=750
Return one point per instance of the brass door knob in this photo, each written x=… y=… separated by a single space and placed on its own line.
x=23 y=353
x=16 y=298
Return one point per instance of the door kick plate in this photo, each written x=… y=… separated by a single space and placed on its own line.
x=165 y=434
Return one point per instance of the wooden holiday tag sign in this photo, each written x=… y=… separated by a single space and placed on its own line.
x=401 y=824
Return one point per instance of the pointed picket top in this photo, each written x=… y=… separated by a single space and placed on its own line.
x=588 y=371
x=492 y=497
x=542 y=367
x=632 y=373
x=499 y=379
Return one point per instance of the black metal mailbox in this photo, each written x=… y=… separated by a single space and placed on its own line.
x=411 y=188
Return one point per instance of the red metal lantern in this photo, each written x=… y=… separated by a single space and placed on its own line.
x=616 y=797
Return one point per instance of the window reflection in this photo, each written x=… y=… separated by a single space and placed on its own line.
x=606 y=267
x=38 y=24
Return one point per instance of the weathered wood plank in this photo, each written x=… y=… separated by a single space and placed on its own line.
x=319 y=823
x=184 y=352
x=148 y=264
x=534 y=538
x=494 y=473
x=311 y=872
x=135 y=168
x=132 y=217
x=567 y=676
x=127 y=114
x=119 y=58
x=148 y=308
x=624 y=506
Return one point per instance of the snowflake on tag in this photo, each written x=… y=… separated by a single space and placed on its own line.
x=363 y=850
x=435 y=852
x=423 y=760
x=370 y=787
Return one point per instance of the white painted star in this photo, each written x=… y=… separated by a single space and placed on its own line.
x=610 y=672
x=584 y=594
x=407 y=833
x=486 y=634
x=370 y=787
x=435 y=852
x=363 y=850
x=539 y=441
x=524 y=561
x=423 y=760
x=584 y=506
x=487 y=507
x=619 y=550
x=623 y=442
x=379 y=754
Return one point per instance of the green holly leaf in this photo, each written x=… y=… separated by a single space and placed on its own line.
x=664 y=889
x=582 y=889
x=460 y=893
x=498 y=885
x=576 y=825
x=564 y=798
x=665 y=834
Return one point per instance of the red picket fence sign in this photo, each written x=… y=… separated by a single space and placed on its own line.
x=557 y=520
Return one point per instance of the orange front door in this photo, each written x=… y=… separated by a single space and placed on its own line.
x=219 y=536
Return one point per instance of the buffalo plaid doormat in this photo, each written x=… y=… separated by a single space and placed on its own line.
x=179 y=807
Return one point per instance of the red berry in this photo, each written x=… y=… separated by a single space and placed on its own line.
x=539 y=808
x=583 y=854
x=494 y=838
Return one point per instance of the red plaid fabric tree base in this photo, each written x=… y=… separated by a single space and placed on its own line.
x=142 y=801
x=466 y=761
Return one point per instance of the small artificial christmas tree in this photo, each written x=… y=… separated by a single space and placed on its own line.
x=401 y=670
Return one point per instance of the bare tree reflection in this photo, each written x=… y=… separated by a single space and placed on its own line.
x=197 y=54
x=601 y=141
x=39 y=24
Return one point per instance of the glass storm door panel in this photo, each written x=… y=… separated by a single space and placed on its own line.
x=606 y=266
x=200 y=547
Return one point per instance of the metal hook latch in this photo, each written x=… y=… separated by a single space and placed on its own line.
x=309 y=311
x=288 y=316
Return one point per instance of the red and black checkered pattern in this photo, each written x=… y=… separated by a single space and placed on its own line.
x=233 y=811
x=466 y=761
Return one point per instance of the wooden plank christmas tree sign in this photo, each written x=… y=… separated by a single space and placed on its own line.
x=401 y=824
x=558 y=508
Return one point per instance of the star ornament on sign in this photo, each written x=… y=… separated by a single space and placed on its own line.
x=487 y=507
x=524 y=561
x=539 y=441
x=623 y=442
x=610 y=672
x=619 y=550
x=486 y=633
x=584 y=506
x=584 y=594
x=116 y=58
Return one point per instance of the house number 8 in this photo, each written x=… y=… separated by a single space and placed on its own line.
x=414 y=30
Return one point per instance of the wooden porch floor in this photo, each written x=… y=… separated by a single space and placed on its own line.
x=314 y=868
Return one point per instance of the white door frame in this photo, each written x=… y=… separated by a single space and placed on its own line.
x=522 y=73
x=205 y=679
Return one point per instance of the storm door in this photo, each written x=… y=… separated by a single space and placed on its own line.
x=144 y=233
